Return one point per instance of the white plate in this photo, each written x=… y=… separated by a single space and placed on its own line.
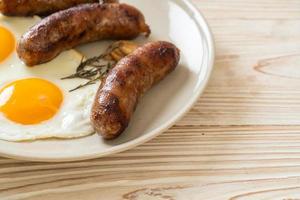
x=173 y=20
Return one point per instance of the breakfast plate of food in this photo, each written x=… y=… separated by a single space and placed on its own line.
x=87 y=78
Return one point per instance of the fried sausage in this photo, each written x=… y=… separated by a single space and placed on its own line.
x=82 y=24
x=121 y=90
x=40 y=7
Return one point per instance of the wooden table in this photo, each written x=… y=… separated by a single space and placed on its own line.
x=240 y=141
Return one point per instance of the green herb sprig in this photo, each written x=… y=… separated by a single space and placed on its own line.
x=92 y=69
x=96 y=68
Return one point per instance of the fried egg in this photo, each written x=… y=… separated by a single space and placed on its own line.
x=34 y=102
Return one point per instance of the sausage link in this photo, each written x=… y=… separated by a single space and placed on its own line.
x=40 y=7
x=121 y=90
x=78 y=25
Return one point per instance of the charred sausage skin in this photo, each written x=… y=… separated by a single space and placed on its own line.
x=121 y=90
x=40 y=7
x=78 y=25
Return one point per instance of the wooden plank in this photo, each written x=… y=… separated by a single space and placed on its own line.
x=229 y=160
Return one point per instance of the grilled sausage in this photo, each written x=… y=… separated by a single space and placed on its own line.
x=40 y=7
x=82 y=24
x=121 y=90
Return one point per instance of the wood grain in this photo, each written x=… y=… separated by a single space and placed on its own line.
x=240 y=141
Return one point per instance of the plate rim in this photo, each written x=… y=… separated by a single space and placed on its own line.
x=201 y=20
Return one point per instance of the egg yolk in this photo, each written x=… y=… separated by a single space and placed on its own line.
x=7 y=43
x=30 y=101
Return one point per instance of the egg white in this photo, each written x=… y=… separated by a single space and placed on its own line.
x=72 y=120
